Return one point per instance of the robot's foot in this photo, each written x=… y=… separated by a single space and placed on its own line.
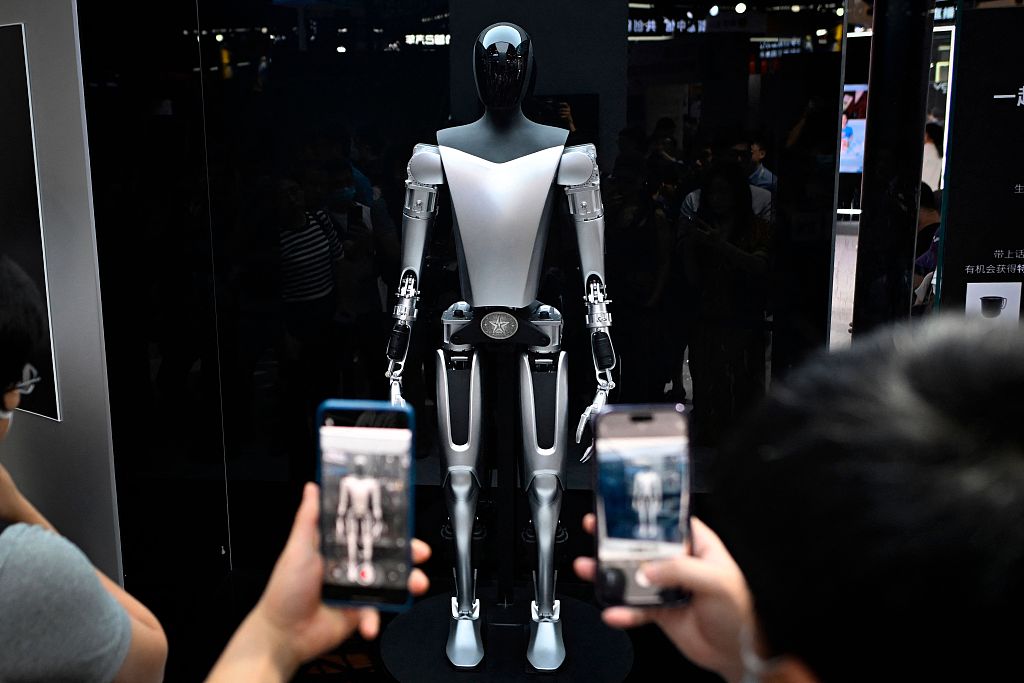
x=465 y=646
x=366 y=574
x=352 y=573
x=546 y=650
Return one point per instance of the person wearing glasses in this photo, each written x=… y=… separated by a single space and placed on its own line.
x=61 y=619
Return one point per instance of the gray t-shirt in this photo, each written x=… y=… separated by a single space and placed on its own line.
x=57 y=622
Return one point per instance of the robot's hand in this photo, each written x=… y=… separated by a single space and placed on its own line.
x=600 y=399
x=396 y=392
x=339 y=528
x=377 y=528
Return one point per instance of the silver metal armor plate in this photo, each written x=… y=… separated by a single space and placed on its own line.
x=501 y=222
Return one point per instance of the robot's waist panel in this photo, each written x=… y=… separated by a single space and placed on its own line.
x=496 y=324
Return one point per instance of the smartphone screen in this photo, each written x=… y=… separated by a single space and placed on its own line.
x=366 y=487
x=642 y=501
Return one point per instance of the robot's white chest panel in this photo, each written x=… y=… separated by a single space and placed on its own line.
x=360 y=490
x=647 y=484
x=501 y=213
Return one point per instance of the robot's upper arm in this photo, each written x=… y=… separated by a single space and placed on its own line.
x=579 y=166
x=425 y=166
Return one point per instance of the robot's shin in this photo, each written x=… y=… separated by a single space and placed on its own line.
x=462 y=493
x=545 y=495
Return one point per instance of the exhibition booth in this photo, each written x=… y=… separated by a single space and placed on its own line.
x=238 y=210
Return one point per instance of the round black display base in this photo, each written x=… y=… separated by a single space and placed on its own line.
x=412 y=646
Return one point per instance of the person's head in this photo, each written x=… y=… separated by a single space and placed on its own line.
x=22 y=325
x=291 y=200
x=341 y=184
x=725 y=197
x=502 y=65
x=929 y=211
x=875 y=503
x=665 y=127
x=933 y=135
x=734 y=147
x=758 y=151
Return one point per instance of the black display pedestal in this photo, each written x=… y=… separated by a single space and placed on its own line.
x=412 y=646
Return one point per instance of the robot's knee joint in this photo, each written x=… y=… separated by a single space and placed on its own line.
x=545 y=488
x=462 y=483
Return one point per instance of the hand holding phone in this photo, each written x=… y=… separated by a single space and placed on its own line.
x=366 y=487
x=642 y=500
x=706 y=628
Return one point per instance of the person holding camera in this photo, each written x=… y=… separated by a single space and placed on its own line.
x=291 y=624
x=873 y=505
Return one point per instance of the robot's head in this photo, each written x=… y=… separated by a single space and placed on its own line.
x=359 y=464
x=502 y=64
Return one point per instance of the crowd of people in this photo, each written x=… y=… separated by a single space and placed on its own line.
x=869 y=529
x=689 y=240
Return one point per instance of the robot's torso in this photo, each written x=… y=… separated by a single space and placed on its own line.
x=501 y=211
x=360 y=492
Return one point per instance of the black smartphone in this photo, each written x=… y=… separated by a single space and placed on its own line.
x=642 y=492
x=365 y=471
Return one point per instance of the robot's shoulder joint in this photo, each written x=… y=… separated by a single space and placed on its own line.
x=578 y=166
x=425 y=165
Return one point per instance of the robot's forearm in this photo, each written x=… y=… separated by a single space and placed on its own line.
x=420 y=208
x=398 y=343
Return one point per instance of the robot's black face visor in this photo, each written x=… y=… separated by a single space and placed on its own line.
x=502 y=65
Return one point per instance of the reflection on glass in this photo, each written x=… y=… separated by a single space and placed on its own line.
x=256 y=158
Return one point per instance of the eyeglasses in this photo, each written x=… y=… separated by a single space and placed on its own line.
x=29 y=379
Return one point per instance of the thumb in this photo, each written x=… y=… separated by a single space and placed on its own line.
x=304 y=529
x=684 y=571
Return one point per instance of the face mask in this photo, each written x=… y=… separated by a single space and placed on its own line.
x=345 y=194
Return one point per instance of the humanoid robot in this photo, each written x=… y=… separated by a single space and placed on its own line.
x=504 y=173
x=360 y=520
x=647 y=502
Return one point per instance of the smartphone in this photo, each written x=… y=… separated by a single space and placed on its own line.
x=642 y=492
x=366 y=475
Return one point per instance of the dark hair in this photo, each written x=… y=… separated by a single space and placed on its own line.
x=875 y=503
x=934 y=131
x=22 y=321
x=928 y=198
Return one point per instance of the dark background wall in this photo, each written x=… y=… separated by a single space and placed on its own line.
x=578 y=52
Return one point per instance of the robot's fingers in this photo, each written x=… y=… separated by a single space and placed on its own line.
x=584 y=418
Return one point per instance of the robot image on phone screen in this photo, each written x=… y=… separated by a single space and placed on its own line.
x=644 y=497
x=642 y=510
x=364 y=507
